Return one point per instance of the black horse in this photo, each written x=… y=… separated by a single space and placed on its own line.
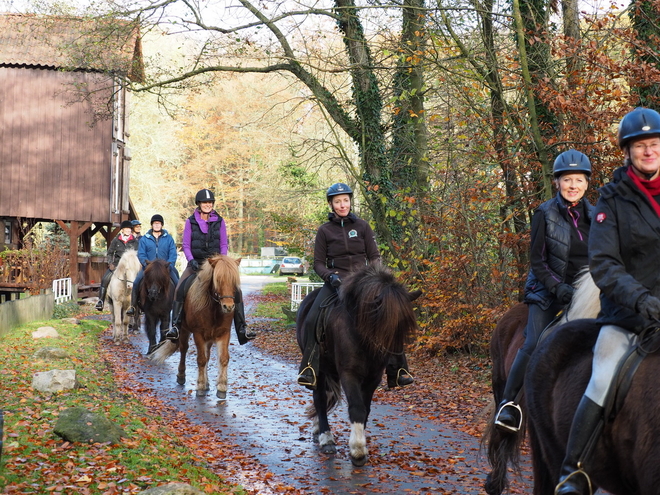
x=155 y=298
x=368 y=322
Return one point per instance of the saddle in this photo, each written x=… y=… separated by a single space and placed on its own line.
x=322 y=320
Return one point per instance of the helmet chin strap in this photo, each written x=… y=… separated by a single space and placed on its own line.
x=646 y=176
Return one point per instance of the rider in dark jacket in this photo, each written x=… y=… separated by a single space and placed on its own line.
x=343 y=244
x=124 y=241
x=558 y=251
x=624 y=249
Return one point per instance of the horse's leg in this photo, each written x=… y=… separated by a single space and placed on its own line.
x=150 y=329
x=116 y=329
x=184 y=343
x=325 y=437
x=222 y=349
x=203 y=352
x=357 y=415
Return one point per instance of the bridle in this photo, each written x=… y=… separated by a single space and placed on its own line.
x=219 y=299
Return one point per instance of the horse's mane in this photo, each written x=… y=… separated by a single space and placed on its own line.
x=214 y=272
x=128 y=262
x=158 y=272
x=380 y=307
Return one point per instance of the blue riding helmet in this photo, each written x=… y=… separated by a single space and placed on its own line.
x=571 y=161
x=641 y=123
x=337 y=189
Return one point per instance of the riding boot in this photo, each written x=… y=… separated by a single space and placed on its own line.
x=134 y=300
x=243 y=332
x=397 y=371
x=573 y=480
x=99 y=304
x=177 y=313
x=509 y=414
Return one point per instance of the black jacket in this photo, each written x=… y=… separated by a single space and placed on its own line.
x=624 y=251
x=342 y=245
x=558 y=249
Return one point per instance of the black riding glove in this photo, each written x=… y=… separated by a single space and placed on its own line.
x=564 y=293
x=334 y=280
x=649 y=307
x=194 y=264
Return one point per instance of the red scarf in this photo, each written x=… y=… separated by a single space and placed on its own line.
x=650 y=188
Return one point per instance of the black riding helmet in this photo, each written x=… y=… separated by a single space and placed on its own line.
x=571 y=161
x=204 y=195
x=157 y=218
x=337 y=189
x=639 y=124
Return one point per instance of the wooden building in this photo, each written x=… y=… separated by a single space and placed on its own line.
x=64 y=127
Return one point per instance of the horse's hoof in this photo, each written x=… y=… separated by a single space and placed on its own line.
x=202 y=392
x=221 y=395
x=181 y=380
x=330 y=448
x=360 y=461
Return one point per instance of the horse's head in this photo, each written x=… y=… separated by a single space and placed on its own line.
x=128 y=267
x=223 y=271
x=156 y=278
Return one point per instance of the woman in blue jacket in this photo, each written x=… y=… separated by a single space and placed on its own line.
x=155 y=244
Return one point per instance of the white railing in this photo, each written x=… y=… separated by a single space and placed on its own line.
x=62 y=290
x=299 y=290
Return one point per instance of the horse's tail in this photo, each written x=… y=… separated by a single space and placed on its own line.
x=163 y=352
x=503 y=450
x=333 y=397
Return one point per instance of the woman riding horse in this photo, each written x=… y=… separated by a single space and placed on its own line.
x=204 y=235
x=344 y=243
x=155 y=244
x=558 y=250
x=624 y=254
x=124 y=241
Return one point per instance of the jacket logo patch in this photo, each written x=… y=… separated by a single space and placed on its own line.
x=601 y=217
x=352 y=233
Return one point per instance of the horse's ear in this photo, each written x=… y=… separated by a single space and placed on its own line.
x=238 y=261
x=148 y=262
x=414 y=294
x=211 y=261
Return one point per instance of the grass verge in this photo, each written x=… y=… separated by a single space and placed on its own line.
x=35 y=460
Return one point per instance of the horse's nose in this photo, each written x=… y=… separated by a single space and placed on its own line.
x=228 y=307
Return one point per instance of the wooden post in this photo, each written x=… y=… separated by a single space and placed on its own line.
x=74 y=231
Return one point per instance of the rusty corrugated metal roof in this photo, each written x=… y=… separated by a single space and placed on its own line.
x=105 y=45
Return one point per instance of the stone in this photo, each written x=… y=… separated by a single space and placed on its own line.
x=71 y=321
x=44 y=332
x=54 y=380
x=172 y=489
x=77 y=424
x=50 y=353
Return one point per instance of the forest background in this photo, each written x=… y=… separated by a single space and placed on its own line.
x=444 y=116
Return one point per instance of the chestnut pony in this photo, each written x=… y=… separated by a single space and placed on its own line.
x=504 y=447
x=208 y=313
x=155 y=299
x=369 y=321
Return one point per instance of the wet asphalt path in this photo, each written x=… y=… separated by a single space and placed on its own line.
x=264 y=415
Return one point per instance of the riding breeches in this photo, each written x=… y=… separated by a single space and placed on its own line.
x=611 y=349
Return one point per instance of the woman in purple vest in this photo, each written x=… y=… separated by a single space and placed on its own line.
x=204 y=235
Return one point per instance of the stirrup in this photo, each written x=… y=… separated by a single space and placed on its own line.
x=578 y=471
x=303 y=380
x=130 y=311
x=513 y=429
x=172 y=333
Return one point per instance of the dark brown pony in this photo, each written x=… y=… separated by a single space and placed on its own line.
x=626 y=459
x=504 y=447
x=208 y=315
x=155 y=299
x=363 y=327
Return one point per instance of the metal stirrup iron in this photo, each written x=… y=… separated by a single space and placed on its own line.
x=514 y=429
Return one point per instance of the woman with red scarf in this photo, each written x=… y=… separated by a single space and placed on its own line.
x=624 y=254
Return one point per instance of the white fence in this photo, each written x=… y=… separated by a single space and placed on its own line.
x=299 y=290
x=62 y=290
